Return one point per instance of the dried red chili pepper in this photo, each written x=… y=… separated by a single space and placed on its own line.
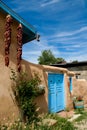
x=7 y=36
x=19 y=46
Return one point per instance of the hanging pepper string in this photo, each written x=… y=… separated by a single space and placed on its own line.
x=19 y=46
x=7 y=36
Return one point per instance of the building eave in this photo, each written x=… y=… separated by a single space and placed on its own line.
x=68 y=65
x=29 y=31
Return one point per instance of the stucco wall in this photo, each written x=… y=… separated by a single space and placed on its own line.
x=42 y=71
x=82 y=70
x=30 y=69
x=8 y=107
x=69 y=103
x=80 y=89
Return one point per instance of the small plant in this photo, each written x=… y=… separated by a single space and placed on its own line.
x=79 y=98
x=78 y=102
x=79 y=111
x=62 y=123
x=82 y=117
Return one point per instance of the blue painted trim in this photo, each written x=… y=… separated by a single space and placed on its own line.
x=64 y=96
x=17 y=17
x=70 y=80
x=79 y=107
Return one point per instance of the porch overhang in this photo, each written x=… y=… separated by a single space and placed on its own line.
x=29 y=32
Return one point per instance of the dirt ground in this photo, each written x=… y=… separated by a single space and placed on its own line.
x=82 y=125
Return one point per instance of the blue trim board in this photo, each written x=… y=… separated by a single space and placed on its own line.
x=16 y=17
x=64 y=91
x=70 y=80
x=27 y=28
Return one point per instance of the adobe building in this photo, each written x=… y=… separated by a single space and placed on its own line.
x=14 y=32
x=58 y=82
x=79 y=68
x=80 y=78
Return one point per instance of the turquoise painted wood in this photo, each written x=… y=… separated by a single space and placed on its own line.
x=70 y=80
x=29 y=32
x=51 y=93
x=55 y=92
x=17 y=17
x=79 y=104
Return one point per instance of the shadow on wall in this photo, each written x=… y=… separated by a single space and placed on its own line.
x=30 y=69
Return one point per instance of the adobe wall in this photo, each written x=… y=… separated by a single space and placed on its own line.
x=30 y=69
x=8 y=107
x=80 y=89
x=42 y=71
x=69 y=102
x=82 y=70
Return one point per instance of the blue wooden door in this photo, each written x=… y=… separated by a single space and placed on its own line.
x=51 y=93
x=55 y=92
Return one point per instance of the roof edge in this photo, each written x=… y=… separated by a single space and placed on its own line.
x=18 y=18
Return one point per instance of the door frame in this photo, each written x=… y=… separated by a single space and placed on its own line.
x=64 y=98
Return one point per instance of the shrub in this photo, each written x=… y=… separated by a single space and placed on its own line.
x=25 y=92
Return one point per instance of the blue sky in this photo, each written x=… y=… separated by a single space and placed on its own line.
x=62 y=25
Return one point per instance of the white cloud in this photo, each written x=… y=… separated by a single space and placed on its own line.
x=79 y=55
x=76 y=57
x=72 y=47
x=34 y=5
x=64 y=34
x=49 y=2
x=22 y=6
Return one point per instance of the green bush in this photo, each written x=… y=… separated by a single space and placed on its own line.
x=25 y=92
